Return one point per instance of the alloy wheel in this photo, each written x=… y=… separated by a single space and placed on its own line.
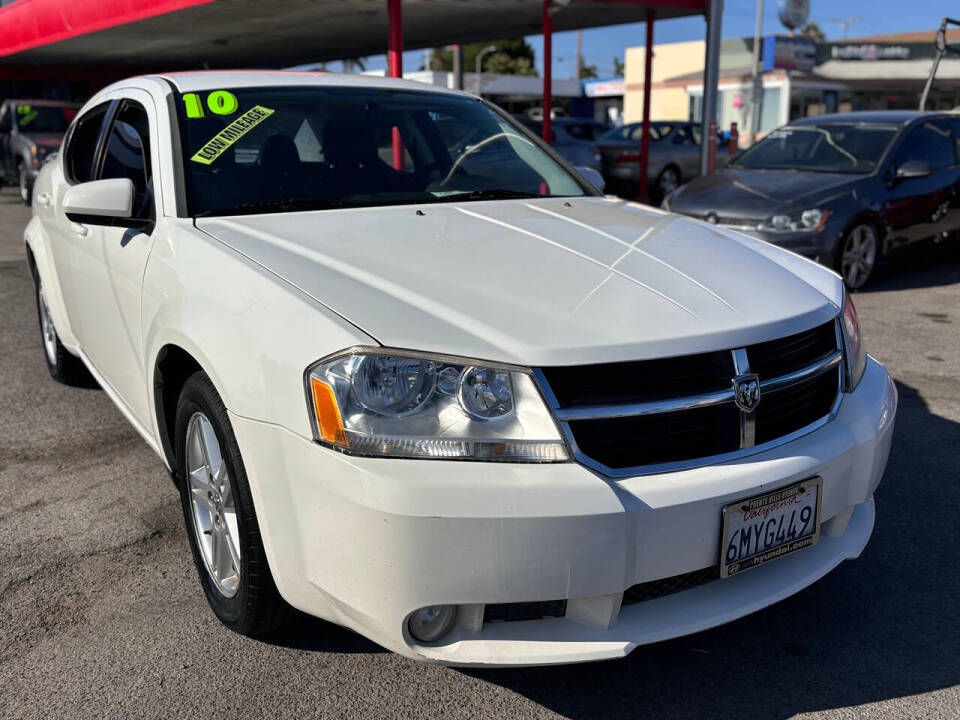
x=213 y=507
x=669 y=181
x=47 y=329
x=859 y=256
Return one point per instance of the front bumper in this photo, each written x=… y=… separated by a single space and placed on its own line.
x=364 y=542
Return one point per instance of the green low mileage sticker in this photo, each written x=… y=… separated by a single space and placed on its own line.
x=220 y=142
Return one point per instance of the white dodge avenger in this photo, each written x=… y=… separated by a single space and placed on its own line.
x=414 y=375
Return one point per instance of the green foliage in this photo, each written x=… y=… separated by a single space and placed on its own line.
x=511 y=57
x=812 y=30
x=618 y=67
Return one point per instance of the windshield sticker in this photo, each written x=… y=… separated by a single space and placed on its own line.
x=220 y=142
x=27 y=115
x=220 y=102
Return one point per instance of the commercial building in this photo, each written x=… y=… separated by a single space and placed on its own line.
x=800 y=78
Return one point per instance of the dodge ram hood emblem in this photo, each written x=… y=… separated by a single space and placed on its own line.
x=746 y=391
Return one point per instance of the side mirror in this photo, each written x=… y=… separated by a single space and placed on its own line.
x=104 y=202
x=914 y=169
x=592 y=177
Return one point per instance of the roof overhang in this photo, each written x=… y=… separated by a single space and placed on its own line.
x=175 y=34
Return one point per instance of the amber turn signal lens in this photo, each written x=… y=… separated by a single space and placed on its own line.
x=327 y=413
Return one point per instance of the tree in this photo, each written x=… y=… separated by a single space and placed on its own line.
x=813 y=31
x=588 y=71
x=617 y=67
x=511 y=57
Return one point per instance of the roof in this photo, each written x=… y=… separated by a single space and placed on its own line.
x=173 y=34
x=215 y=79
x=920 y=36
x=888 y=117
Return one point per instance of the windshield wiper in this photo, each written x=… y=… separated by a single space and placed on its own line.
x=490 y=194
x=283 y=205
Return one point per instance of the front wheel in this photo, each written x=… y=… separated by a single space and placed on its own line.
x=858 y=255
x=667 y=182
x=219 y=514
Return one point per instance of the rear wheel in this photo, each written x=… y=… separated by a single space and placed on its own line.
x=64 y=367
x=667 y=182
x=26 y=191
x=218 y=510
x=857 y=258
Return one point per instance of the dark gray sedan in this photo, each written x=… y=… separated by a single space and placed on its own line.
x=845 y=189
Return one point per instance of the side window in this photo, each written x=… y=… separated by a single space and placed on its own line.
x=127 y=155
x=683 y=136
x=82 y=144
x=930 y=142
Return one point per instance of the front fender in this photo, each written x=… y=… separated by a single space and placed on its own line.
x=251 y=332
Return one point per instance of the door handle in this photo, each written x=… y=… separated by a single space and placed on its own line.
x=44 y=199
x=81 y=230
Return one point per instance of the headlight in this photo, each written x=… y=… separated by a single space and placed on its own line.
x=807 y=221
x=854 y=353
x=405 y=404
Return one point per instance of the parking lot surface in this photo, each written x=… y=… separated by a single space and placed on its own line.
x=101 y=614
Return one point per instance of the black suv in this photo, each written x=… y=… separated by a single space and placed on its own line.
x=30 y=130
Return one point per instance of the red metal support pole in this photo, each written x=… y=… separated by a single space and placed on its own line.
x=395 y=66
x=547 y=124
x=643 y=190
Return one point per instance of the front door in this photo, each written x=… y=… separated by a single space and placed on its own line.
x=113 y=259
x=917 y=208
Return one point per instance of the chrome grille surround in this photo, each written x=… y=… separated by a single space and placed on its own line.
x=565 y=415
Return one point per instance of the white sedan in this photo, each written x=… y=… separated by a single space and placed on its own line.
x=446 y=394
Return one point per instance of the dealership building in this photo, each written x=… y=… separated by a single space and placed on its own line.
x=800 y=78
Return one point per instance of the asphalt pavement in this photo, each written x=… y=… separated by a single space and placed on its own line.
x=101 y=613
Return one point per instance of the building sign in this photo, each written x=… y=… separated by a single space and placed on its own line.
x=870 y=51
x=793 y=13
x=605 y=88
x=789 y=53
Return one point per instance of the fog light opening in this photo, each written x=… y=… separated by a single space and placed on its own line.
x=429 y=624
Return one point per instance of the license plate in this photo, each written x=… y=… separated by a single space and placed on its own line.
x=768 y=527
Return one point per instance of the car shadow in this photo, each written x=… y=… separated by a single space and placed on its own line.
x=305 y=632
x=883 y=626
x=924 y=265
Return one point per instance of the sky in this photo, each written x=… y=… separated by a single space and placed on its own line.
x=869 y=17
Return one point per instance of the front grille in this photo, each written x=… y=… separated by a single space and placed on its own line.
x=667 y=586
x=681 y=411
x=660 y=438
x=513 y=612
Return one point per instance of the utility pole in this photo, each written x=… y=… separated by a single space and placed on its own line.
x=579 y=54
x=756 y=101
x=479 y=65
x=457 y=67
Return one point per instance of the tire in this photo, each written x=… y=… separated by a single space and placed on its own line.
x=219 y=515
x=667 y=181
x=26 y=189
x=64 y=367
x=857 y=255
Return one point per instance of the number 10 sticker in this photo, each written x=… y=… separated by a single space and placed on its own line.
x=219 y=102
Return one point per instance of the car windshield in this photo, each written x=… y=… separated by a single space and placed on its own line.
x=43 y=118
x=820 y=148
x=280 y=149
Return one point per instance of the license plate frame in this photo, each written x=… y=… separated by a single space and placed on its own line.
x=776 y=552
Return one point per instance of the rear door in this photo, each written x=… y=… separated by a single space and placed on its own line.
x=921 y=207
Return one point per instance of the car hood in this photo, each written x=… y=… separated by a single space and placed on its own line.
x=542 y=282
x=756 y=194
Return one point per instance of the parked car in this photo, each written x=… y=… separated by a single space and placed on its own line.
x=574 y=139
x=464 y=413
x=846 y=188
x=30 y=130
x=674 y=157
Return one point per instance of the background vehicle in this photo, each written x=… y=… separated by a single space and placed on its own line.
x=845 y=188
x=674 y=157
x=29 y=131
x=574 y=139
